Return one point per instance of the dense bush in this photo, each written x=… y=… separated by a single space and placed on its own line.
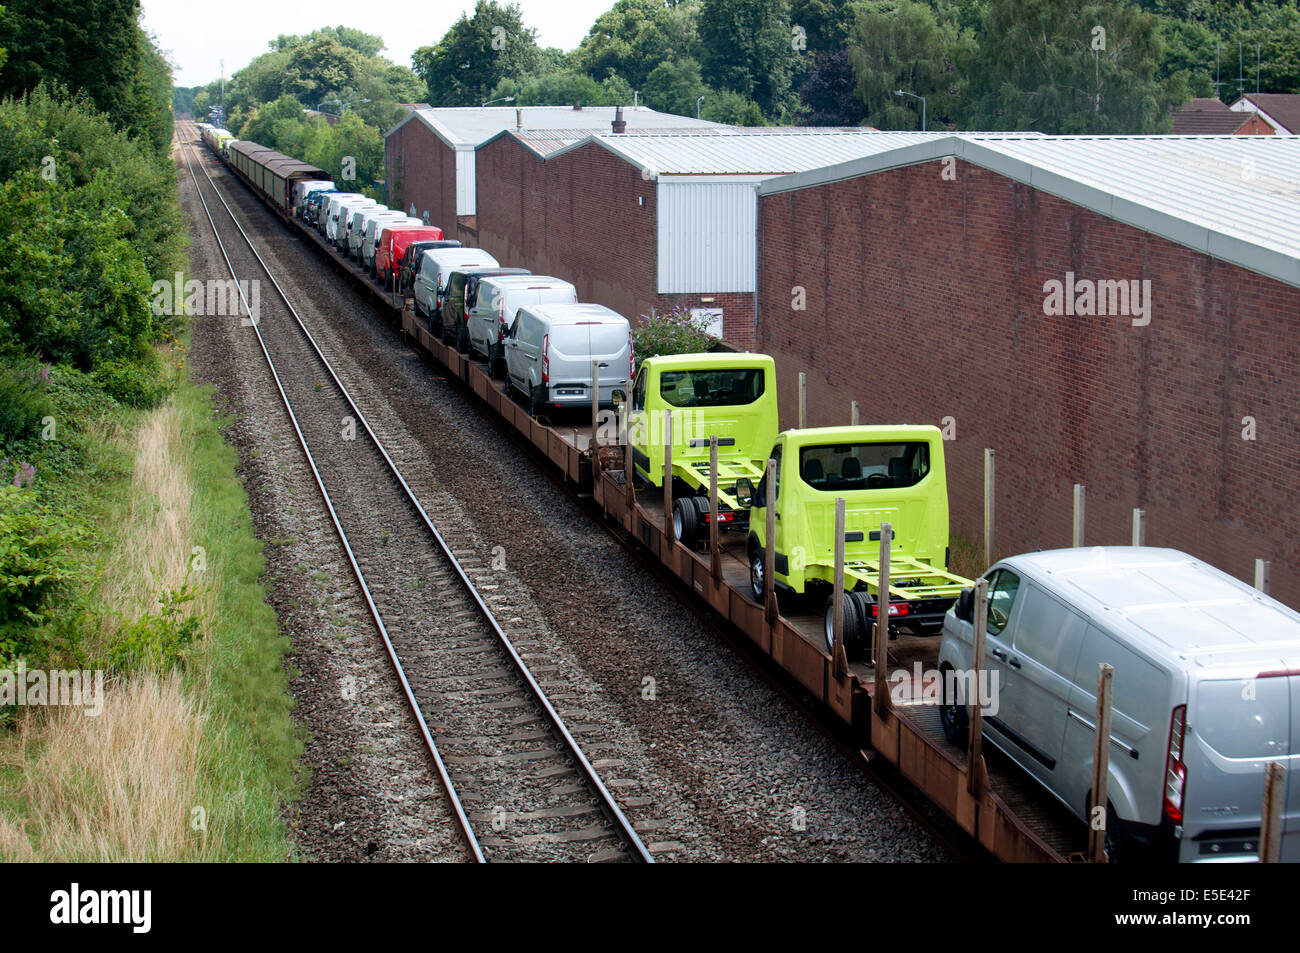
x=670 y=332
x=24 y=401
x=36 y=563
x=157 y=640
x=134 y=384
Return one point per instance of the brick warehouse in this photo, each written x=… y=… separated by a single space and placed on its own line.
x=429 y=155
x=925 y=284
x=649 y=221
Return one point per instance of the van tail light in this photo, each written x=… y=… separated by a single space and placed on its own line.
x=1175 y=769
x=546 y=359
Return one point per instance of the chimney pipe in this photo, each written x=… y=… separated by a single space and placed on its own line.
x=619 y=125
x=519 y=119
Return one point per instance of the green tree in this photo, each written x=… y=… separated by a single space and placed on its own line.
x=635 y=36
x=898 y=44
x=1049 y=67
x=748 y=47
x=321 y=69
x=675 y=87
x=476 y=54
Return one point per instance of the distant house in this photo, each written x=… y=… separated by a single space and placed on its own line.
x=1280 y=111
x=1207 y=116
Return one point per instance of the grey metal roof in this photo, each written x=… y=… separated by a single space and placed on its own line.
x=466 y=127
x=1236 y=198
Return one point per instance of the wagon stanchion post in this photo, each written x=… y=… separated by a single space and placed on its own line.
x=855 y=413
x=629 y=465
x=668 y=478
x=1100 y=766
x=1261 y=575
x=593 y=445
x=1270 y=834
x=1139 y=526
x=839 y=660
x=715 y=562
x=975 y=740
x=1080 y=493
x=988 y=507
x=880 y=701
x=769 y=553
x=803 y=400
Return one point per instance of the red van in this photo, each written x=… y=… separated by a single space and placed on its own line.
x=393 y=242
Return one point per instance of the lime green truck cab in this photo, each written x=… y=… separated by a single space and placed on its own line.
x=730 y=396
x=889 y=475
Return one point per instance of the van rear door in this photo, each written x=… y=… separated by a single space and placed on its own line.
x=1235 y=727
x=574 y=346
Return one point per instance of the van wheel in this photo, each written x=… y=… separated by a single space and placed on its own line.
x=686 y=524
x=1120 y=848
x=462 y=339
x=757 y=568
x=534 y=404
x=954 y=718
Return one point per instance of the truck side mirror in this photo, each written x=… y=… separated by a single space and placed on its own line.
x=965 y=609
x=745 y=491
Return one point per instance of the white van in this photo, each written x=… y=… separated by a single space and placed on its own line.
x=375 y=225
x=329 y=205
x=343 y=218
x=550 y=348
x=497 y=299
x=436 y=265
x=350 y=240
x=337 y=204
x=303 y=188
x=1206 y=693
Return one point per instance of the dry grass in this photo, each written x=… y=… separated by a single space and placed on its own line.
x=120 y=786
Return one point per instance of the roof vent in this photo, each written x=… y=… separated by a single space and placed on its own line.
x=577 y=106
x=619 y=124
x=519 y=119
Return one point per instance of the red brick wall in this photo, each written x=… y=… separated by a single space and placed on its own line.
x=577 y=217
x=934 y=289
x=421 y=170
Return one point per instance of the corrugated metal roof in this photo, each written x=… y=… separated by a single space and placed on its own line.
x=1236 y=198
x=748 y=152
x=465 y=127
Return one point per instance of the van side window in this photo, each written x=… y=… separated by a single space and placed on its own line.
x=1048 y=632
x=638 y=391
x=1003 y=588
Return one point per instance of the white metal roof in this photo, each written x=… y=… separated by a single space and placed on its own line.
x=736 y=151
x=466 y=127
x=1235 y=198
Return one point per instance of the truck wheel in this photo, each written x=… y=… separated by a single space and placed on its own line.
x=954 y=718
x=852 y=626
x=686 y=525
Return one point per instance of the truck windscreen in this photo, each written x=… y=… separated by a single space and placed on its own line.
x=864 y=466
x=712 y=388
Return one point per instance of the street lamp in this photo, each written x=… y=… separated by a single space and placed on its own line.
x=903 y=92
x=503 y=99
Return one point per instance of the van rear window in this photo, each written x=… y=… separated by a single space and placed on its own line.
x=1258 y=727
x=724 y=387
x=865 y=466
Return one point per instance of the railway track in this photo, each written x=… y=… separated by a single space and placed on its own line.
x=514 y=776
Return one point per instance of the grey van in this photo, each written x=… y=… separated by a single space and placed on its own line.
x=497 y=299
x=550 y=348
x=1206 y=693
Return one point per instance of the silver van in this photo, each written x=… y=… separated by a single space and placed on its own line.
x=436 y=265
x=497 y=299
x=1206 y=693
x=550 y=348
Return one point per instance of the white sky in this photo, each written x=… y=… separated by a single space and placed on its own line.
x=198 y=36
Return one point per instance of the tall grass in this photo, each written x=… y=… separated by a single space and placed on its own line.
x=188 y=762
